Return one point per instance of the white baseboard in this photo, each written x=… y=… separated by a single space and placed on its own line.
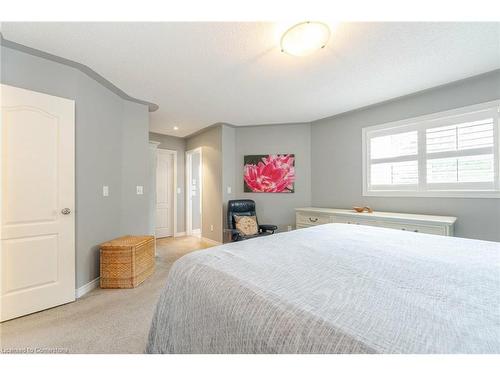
x=180 y=234
x=81 y=291
x=211 y=241
x=196 y=232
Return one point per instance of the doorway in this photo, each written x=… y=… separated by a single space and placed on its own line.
x=194 y=192
x=166 y=184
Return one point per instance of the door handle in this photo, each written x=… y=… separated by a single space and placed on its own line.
x=65 y=211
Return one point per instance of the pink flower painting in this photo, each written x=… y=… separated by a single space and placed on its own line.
x=269 y=173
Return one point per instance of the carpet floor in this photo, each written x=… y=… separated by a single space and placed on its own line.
x=103 y=320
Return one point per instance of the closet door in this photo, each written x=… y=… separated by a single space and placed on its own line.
x=164 y=193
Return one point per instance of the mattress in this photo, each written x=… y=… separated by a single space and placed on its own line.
x=334 y=288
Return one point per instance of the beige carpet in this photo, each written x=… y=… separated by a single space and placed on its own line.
x=102 y=321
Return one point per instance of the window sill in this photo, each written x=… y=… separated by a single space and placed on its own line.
x=433 y=194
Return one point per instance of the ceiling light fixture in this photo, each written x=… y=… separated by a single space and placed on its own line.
x=305 y=38
x=176 y=128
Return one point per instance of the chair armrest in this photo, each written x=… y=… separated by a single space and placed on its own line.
x=268 y=228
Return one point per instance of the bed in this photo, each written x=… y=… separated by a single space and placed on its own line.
x=334 y=288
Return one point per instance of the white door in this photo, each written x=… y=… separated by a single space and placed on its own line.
x=164 y=193
x=38 y=197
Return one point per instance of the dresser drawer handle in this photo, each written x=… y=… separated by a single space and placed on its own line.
x=415 y=230
x=313 y=220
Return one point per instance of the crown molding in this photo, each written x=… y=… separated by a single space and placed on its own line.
x=76 y=65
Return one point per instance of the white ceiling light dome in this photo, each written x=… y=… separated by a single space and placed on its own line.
x=304 y=38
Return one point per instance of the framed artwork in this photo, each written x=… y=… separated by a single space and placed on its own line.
x=273 y=173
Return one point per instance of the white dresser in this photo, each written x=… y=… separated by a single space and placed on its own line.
x=310 y=216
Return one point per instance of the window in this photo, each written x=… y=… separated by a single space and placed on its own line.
x=453 y=153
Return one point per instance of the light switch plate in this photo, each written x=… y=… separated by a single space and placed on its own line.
x=229 y=189
x=105 y=191
x=139 y=190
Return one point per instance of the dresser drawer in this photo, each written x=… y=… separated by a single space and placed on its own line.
x=429 y=229
x=301 y=226
x=354 y=220
x=306 y=218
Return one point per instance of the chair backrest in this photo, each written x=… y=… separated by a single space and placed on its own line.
x=240 y=207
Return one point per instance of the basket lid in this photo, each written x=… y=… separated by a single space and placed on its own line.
x=126 y=241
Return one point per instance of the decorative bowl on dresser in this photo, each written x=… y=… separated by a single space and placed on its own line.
x=127 y=261
x=310 y=216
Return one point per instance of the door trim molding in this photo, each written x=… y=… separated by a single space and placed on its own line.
x=154 y=145
x=174 y=191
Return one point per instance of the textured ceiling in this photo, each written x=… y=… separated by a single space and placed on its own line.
x=203 y=73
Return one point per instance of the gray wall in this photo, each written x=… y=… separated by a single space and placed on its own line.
x=210 y=142
x=135 y=169
x=229 y=163
x=152 y=194
x=176 y=144
x=276 y=208
x=337 y=163
x=110 y=133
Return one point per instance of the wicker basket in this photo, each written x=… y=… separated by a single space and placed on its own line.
x=127 y=261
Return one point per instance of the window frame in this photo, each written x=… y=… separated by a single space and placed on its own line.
x=420 y=124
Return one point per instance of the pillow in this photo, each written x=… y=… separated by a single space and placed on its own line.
x=246 y=225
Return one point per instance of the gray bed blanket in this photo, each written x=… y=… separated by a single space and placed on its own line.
x=334 y=288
